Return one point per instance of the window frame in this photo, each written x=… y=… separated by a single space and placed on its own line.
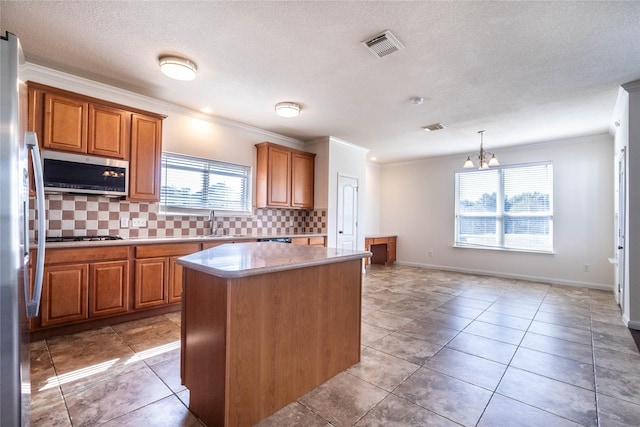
x=500 y=215
x=244 y=171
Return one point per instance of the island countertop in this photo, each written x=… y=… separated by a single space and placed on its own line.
x=248 y=259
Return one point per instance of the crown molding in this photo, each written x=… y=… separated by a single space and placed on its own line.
x=62 y=80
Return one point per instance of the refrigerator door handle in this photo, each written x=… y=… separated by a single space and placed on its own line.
x=33 y=304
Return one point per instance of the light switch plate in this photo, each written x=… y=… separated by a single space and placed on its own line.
x=124 y=222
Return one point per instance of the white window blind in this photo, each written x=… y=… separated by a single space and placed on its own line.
x=197 y=183
x=509 y=207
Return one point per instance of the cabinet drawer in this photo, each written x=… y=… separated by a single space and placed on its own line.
x=300 y=240
x=171 y=249
x=380 y=241
x=316 y=241
x=63 y=255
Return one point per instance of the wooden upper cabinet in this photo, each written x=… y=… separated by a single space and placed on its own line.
x=279 y=177
x=146 y=155
x=108 y=131
x=284 y=177
x=65 y=123
x=151 y=282
x=302 y=170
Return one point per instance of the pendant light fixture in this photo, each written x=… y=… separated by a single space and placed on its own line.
x=288 y=109
x=178 y=68
x=482 y=157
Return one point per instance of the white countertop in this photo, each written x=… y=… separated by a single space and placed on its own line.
x=248 y=259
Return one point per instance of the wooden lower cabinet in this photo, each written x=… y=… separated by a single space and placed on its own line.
x=151 y=282
x=158 y=279
x=76 y=292
x=83 y=284
x=175 y=280
x=93 y=283
x=64 y=294
x=311 y=241
x=108 y=288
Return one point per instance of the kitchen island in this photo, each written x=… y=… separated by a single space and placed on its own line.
x=264 y=323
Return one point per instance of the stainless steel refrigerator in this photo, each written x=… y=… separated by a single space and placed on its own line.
x=18 y=300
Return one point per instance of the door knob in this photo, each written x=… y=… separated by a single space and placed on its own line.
x=340 y=232
x=620 y=247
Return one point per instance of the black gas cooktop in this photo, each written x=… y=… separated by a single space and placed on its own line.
x=81 y=238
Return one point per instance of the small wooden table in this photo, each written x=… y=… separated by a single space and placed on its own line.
x=383 y=248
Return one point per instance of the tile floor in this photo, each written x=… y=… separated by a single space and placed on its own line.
x=438 y=349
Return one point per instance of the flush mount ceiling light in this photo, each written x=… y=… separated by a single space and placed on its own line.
x=482 y=157
x=288 y=109
x=178 y=68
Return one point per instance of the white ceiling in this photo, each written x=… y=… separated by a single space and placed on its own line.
x=524 y=71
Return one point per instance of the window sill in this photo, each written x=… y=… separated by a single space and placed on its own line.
x=491 y=248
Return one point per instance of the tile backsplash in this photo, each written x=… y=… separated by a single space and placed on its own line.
x=75 y=215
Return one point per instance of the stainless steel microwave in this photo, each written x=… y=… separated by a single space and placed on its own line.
x=80 y=173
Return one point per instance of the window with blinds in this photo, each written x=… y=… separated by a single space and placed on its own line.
x=197 y=183
x=507 y=207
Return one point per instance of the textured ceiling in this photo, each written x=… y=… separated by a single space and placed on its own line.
x=524 y=71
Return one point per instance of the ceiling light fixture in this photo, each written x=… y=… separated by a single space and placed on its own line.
x=417 y=100
x=178 y=68
x=288 y=109
x=482 y=157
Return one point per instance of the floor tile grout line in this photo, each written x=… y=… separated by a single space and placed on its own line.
x=62 y=394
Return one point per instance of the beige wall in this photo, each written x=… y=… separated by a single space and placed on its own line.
x=417 y=204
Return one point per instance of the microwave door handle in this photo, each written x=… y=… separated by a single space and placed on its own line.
x=33 y=304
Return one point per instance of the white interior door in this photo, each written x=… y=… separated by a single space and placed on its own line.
x=622 y=207
x=347 y=212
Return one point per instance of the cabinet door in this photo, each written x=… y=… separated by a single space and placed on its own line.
x=108 y=288
x=279 y=177
x=64 y=294
x=65 y=123
x=146 y=152
x=302 y=170
x=151 y=282
x=175 y=280
x=108 y=131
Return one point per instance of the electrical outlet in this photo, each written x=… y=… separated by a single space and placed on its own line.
x=139 y=222
x=430 y=254
x=586 y=268
x=124 y=222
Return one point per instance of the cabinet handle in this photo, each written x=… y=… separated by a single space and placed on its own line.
x=33 y=305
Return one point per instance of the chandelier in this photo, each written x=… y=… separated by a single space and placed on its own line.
x=482 y=157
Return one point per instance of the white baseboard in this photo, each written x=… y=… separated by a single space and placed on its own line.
x=541 y=279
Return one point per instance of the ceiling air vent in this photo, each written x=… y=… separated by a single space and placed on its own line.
x=435 y=126
x=383 y=44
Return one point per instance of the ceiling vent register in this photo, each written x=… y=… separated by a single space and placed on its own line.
x=433 y=127
x=383 y=44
